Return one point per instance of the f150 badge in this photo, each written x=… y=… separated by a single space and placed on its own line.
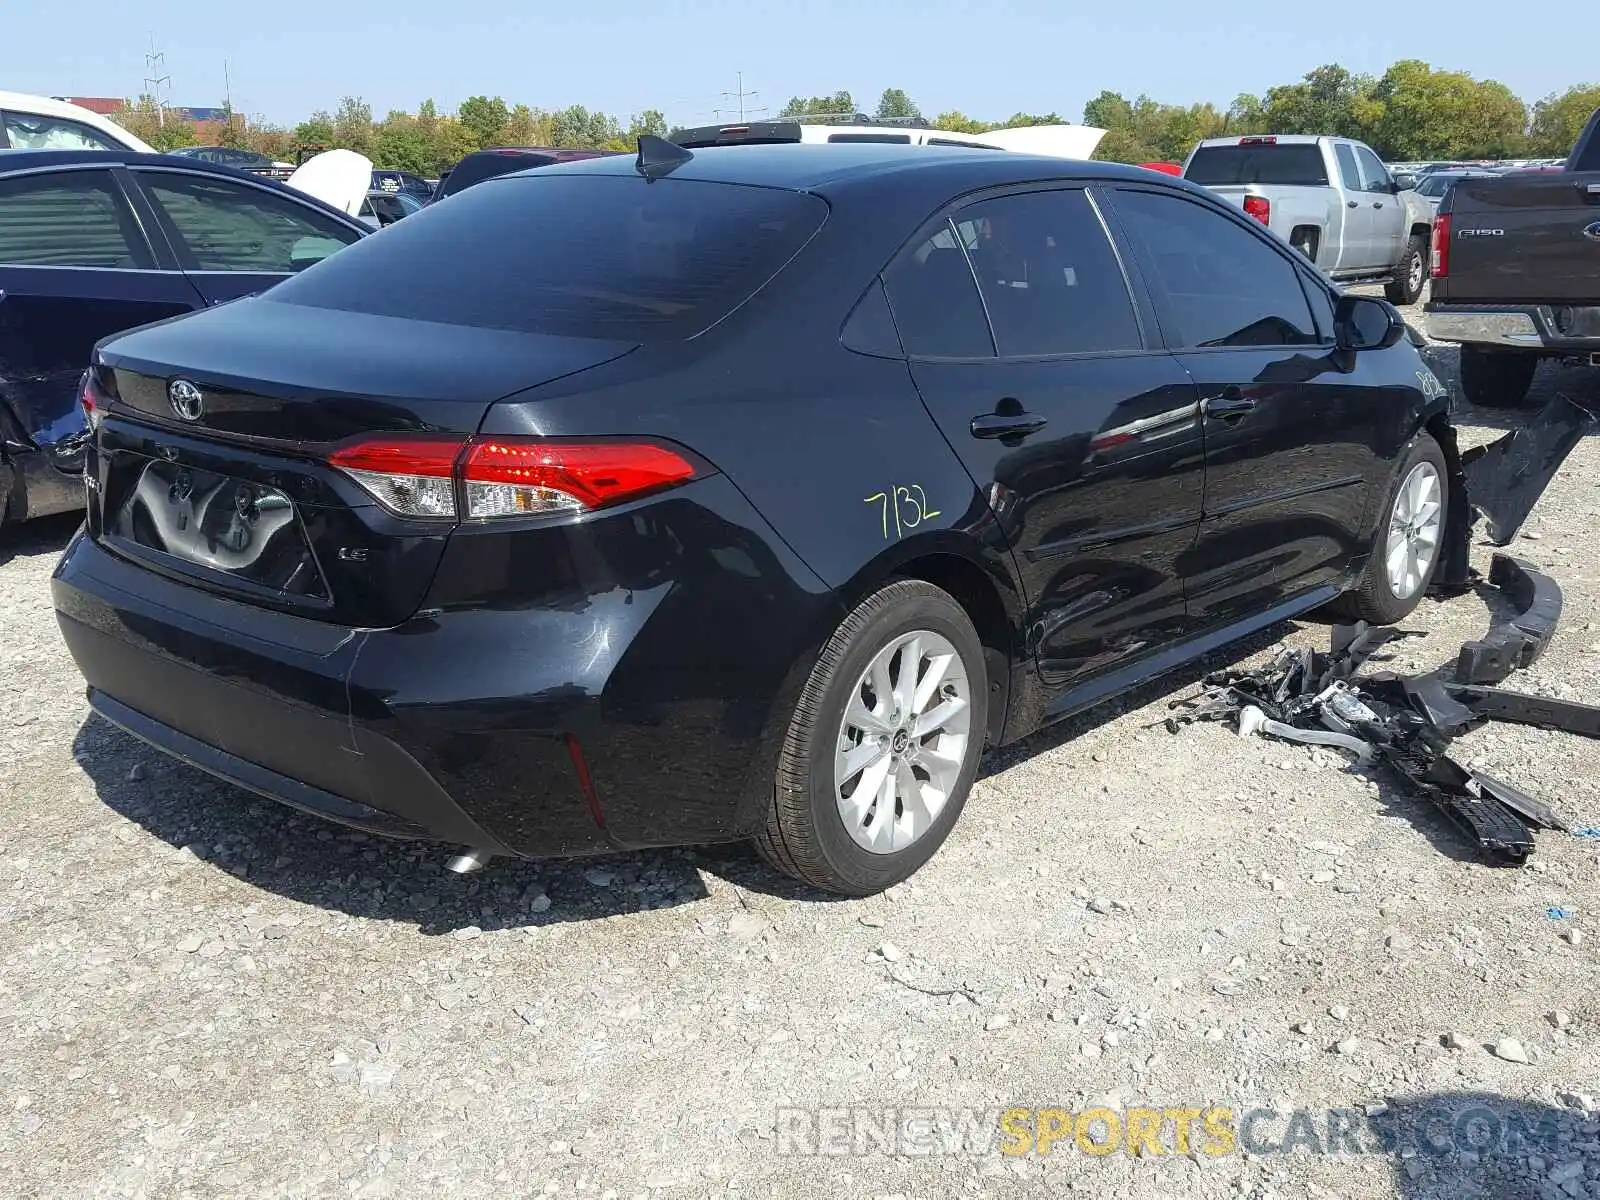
x=1482 y=233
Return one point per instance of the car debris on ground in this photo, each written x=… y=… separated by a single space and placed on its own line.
x=1408 y=721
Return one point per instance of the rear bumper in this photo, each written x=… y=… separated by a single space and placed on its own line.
x=1541 y=327
x=644 y=707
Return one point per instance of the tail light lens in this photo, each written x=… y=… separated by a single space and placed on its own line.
x=1441 y=245
x=1258 y=207
x=507 y=476
x=93 y=397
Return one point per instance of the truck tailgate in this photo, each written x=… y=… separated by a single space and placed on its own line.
x=1530 y=239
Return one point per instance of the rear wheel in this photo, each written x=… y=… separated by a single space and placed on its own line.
x=1496 y=378
x=1406 y=551
x=1411 y=274
x=883 y=745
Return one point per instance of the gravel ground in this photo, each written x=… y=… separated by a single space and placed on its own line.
x=202 y=993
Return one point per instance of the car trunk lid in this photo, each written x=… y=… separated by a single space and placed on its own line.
x=212 y=466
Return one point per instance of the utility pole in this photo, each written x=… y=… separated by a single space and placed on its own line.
x=739 y=96
x=155 y=79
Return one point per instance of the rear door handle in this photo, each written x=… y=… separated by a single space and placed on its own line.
x=1351 y=203
x=1231 y=405
x=1377 y=204
x=1007 y=425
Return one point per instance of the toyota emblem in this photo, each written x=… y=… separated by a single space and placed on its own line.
x=187 y=400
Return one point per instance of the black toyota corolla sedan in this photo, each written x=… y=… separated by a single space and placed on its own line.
x=742 y=494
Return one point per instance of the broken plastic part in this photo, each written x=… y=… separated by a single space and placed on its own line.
x=1506 y=478
x=1518 y=641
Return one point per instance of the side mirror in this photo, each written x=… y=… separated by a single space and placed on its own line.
x=1404 y=182
x=1366 y=323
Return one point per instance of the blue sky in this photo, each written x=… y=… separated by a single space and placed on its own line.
x=289 y=57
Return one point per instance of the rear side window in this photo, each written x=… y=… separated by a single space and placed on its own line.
x=225 y=226
x=1048 y=275
x=1349 y=175
x=27 y=131
x=74 y=219
x=1286 y=163
x=1222 y=284
x=935 y=300
x=607 y=256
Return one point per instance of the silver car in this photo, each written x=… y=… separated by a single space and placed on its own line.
x=1432 y=186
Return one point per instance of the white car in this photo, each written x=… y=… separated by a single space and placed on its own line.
x=1054 y=141
x=40 y=123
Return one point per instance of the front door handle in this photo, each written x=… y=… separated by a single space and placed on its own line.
x=1006 y=425
x=1231 y=405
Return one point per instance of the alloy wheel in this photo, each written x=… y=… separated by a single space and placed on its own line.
x=1413 y=539
x=902 y=741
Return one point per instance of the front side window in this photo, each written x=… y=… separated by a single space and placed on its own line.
x=220 y=225
x=28 y=131
x=73 y=219
x=1372 y=171
x=1223 y=285
x=1049 y=278
x=935 y=299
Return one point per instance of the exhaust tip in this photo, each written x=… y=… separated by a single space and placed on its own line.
x=468 y=861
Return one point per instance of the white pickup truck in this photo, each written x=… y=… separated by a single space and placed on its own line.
x=1329 y=197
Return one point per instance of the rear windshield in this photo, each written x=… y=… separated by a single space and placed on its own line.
x=1293 y=164
x=608 y=256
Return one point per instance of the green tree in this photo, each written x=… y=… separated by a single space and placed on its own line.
x=894 y=104
x=484 y=119
x=352 y=125
x=528 y=127
x=401 y=144
x=959 y=122
x=1109 y=111
x=1019 y=120
x=1425 y=113
x=1559 y=119
x=1328 y=100
x=800 y=106
x=147 y=123
x=314 y=135
x=651 y=121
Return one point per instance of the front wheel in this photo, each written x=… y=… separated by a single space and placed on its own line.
x=1405 y=552
x=883 y=746
x=1411 y=274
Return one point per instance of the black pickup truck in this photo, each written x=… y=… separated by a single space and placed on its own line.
x=1516 y=272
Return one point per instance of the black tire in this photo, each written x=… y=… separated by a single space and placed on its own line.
x=1496 y=378
x=1411 y=276
x=1373 y=598
x=805 y=835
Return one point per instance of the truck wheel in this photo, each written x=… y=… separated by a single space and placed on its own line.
x=1406 y=550
x=883 y=745
x=1411 y=274
x=1496 y=378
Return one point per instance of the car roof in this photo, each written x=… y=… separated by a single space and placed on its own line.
x=833 y=167
x=15 y=161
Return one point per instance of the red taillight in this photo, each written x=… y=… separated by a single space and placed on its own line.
x=93 y=399
x=1441 y=245
x=507 y=476
x=1258 y=207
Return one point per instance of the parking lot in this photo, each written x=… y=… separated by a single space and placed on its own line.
x=203 y=993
